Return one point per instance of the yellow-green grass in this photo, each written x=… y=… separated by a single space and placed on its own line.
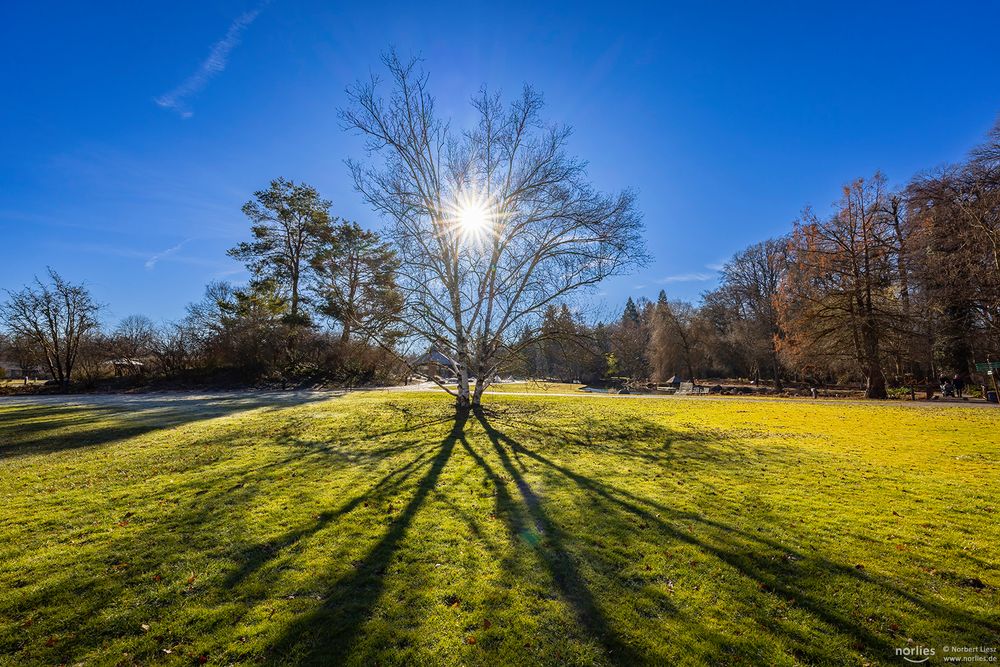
x=380 y=529
x=532 y=387
x=18 y=382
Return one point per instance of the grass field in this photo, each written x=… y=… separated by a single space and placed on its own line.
x=532 y=387
x=376 y=528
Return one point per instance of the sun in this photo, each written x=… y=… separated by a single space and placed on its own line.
x=473 y=219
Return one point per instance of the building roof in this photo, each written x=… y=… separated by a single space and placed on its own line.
x=433 y=356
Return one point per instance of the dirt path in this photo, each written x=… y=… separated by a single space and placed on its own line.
x=161 y=399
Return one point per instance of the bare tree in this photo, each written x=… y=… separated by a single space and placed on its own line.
x=750 y=283
x=134 y=337
x=56 y=316
x=23 y=351
x=491 y=225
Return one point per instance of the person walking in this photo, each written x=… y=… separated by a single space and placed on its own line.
x=959 y=385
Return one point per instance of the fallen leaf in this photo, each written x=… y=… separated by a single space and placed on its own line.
x=486 y=624
x=145 y=627
x=470 y=640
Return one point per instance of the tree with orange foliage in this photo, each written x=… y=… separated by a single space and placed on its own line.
x=838 y=301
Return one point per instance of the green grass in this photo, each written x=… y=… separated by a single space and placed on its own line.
x=533 y=387
x=19 y=382
x=378 y=529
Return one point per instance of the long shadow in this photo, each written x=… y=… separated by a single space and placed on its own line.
x=328 y=634
x=49 y=427
x=632 y=503
x=256 y=556
x=755 y=557
x=204 y=502
x=561 y=569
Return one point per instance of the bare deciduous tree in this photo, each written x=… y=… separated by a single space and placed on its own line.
x=750 y=283
x=491 y=225
x=134 y=338
x=56 y=316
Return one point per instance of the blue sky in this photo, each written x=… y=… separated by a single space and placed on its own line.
x=132 y=133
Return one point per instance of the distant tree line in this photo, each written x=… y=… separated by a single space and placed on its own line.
x=892 y=288
x=487 y=229
x=491 y=236
x=319 y=287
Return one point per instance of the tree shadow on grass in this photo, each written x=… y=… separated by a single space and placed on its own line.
x=558 y=549
x=327 y=635
x=803 y=580
x=54 y=426
x=529 y=516
x=256 y=556
x=194 y=512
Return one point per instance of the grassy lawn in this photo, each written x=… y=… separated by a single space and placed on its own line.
x=18 y=382
x=532 y=387
x=376 y=529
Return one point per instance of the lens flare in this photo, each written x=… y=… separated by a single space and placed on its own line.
x=472 y=218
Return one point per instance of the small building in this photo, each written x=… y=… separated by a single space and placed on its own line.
x=126 y=366
x=437 y=363
x=13 y=370
x=674 y=382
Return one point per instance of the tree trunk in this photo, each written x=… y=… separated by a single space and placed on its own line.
x=876 y=384
x=876 y=379
x=464 y=399
x=481 y=382
x=477 y=395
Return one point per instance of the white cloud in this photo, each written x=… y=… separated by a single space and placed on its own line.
x=215 y=63
x=695 y=277
x=151 y=262
x=148 y=260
